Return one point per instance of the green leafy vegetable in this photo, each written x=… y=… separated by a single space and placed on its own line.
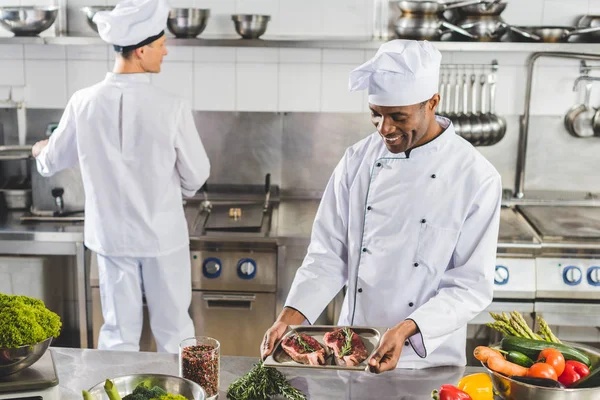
x=262 y=383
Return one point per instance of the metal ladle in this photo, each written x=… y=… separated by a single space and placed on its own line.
x=455 y=116
x=487 y=132
x=476 y=125
x=464 y=118
x=498 y=123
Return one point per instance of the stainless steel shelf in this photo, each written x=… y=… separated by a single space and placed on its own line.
x=324 y=43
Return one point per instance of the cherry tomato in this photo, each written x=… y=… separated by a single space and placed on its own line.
x=554 y=358
x=542 y=370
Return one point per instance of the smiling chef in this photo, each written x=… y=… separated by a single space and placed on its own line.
x=139 y=153
x=408 y=222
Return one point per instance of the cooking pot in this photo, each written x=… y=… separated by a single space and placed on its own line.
x=549 y=34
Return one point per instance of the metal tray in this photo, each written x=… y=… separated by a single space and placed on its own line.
x=369 y=336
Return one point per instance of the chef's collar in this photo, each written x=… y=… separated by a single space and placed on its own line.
x=437 y=143
x=128 y=78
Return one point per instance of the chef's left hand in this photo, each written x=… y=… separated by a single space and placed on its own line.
x=386 y=356
x=38 y=147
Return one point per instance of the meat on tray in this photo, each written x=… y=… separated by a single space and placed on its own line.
x=348 y=348
x=304 y=349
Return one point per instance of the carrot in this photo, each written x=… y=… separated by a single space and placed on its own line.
x=483 y=353
x=500 y=365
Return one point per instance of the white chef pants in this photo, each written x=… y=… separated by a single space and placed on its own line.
x=167 y=284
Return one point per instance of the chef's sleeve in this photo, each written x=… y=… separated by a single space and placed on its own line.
x=466 y=289
x=61 y=151
x=324 y=271
x=193 y=165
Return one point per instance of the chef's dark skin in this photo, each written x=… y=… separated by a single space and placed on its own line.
x=411 y=126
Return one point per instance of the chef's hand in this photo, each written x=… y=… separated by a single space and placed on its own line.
x=288 y=316
x=388 y=353
x=38 y=147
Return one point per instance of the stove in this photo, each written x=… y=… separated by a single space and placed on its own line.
x=38 y=382
x=566 y=224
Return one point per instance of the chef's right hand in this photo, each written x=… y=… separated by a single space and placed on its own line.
x=271 y=337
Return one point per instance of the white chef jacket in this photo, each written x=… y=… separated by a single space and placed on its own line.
x=139 y=152
x=413 y=236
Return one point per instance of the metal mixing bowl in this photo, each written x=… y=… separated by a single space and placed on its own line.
x=17 y=359
x=91 y=11
x=187 y=22
x=172 y=384
x=250 y=26
x=27 y=21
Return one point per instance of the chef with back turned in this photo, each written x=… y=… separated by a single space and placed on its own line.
x=408 y=223
x=139 y=153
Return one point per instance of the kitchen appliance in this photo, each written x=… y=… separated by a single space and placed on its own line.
x=568 y=270
x=187 y=22
x=39 y=381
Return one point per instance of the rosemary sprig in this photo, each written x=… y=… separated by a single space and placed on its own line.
x=347 y=347
x=303 y=343
x=263 y=383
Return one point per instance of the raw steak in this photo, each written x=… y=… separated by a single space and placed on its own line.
x=299 y=353
x=336 y=340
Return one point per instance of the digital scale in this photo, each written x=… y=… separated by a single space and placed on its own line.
x=38 y=382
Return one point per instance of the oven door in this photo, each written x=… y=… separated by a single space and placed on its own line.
x=572 y=320
x=237 y=320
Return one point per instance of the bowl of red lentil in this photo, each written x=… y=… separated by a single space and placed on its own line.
x=199 y=361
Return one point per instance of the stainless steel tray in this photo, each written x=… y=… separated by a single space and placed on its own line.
x=369 y=336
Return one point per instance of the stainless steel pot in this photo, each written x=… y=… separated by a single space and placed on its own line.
x=487 y=132
x=513 y=390
x=482 y=10
x=432 y=7
x=486 y=29
x=549 y=34
x=17 y=199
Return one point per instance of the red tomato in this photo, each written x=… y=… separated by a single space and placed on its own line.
x=554 y=358
x=542 y=370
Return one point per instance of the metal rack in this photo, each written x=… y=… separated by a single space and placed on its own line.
x=524 y=131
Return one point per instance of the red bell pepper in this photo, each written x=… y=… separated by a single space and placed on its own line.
x=449 y=392
x=574 y=371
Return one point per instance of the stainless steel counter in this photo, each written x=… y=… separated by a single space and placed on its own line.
x=81 y=369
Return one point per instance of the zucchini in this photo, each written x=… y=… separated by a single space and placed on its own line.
x=519 y=359
x=532 y=348
x=592 y=380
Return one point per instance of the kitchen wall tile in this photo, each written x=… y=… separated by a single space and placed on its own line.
x=87 y=52
x=20 y=93
x=214 y=86
x=553 y=90
x=331 y=56
x=77 y=21
x=510 y=90
x=47 y=83
x=176 y=78
x=82 y=74
x=261 y=7
x=503 y=58
x=503 y=155
x=8 y=3
x=12 y=73
x=220 y=22
x=214 y=54
x=594 y=7
x=256 y=87
x=179 y=53
x=348 y=18
x=524 y=12
x=257 y=55
x=11 y=52
x=300 y=87
x=565 y=13
x=335 y=96
x=45 y=52
x=300 y=56
x=301 y=18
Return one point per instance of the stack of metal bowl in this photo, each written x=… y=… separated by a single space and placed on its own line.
x=250 y=26
x=187 y=22
x=17 y=359
x=91 y=11
x=27 y=21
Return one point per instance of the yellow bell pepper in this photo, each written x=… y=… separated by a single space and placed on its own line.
x=478 y=386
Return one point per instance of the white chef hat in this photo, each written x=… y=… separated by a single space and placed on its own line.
x=402 y=73
x=133 y=23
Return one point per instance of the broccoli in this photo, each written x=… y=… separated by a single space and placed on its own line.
x=25 y=321
x=135 y=397
x=157 y=392
x=170 y=396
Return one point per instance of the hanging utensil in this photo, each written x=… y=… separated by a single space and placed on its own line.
x=549 y=34
x=476 y=126
x=442 y=92
x=456 y=114
x=498 y=122
x=465 y=120
x=579 y=118
x=487 y=130
x=448 y=103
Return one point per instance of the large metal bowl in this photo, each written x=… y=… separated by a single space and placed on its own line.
x=17 y=359
x=513 y=390
x=27 y=21
x=250 y=26
x=172 y=384
x=91 y=11
x=187 y=22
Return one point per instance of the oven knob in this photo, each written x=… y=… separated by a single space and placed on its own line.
x=211 y=267
x=593 y=276
x=572 y=275
x=501 y=275
x=246 y=268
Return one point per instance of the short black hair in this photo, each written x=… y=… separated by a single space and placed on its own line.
x=126 y=54
x=423 y=104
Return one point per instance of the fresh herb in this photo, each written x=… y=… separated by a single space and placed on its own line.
x=262 y=383
x=347 y=347
x=301 y=342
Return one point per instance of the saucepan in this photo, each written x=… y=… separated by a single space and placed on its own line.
x=580 y=120
x=590 y=21
x=549 y=34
